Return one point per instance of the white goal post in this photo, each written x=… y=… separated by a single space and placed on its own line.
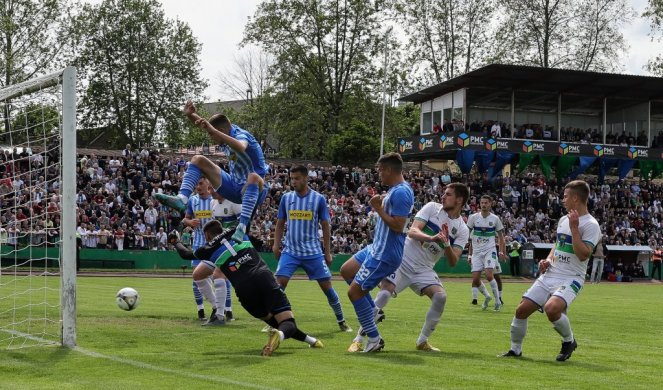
x=38 y=130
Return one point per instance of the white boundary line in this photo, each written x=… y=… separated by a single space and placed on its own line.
x=142 y=365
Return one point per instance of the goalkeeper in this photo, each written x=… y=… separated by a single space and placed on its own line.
x=254 y=283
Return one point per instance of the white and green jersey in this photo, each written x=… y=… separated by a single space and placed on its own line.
x=226 y=212
x=417 y=254
x=484 y=231
x=565 y=262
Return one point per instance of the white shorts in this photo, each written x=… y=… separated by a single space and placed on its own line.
x=481 y=261
x=498 y=268
x=417 y=281
x=565 y=287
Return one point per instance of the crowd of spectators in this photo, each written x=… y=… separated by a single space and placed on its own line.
x=533 y=131
x=115 y=209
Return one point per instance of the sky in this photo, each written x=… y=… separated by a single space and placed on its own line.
x=219 y=26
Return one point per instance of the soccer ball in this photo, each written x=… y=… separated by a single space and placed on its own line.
x=127 y=299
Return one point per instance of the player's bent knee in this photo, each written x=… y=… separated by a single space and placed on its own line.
x=439 y=298
x=197 y=159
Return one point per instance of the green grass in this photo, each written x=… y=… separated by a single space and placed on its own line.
x=161 y=346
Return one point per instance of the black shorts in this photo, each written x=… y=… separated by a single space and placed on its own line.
x=261 y=295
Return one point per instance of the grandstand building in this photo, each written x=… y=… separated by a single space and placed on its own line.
x=498 y=112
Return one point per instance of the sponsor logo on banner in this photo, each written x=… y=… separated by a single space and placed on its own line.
x=491 y=144
x=598 y=150
x=566 y=149
x=529 y=146
x=474 y=140
x=444 y=140
x=404 y=146
x=425 y=143
x=634 y=152
x=463 y=140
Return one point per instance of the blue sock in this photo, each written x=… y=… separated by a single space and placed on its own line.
x=335 y=304
x=370 y=300
x=365 y=316
x=249 y=201
x=197 y=294
x=190 y=180
x=228 y=295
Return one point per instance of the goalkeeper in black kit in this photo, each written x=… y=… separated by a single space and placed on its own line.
x=253 y=281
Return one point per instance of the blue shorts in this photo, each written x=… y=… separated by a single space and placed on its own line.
x=372 y=271
x=232 y=190
x=315 y=268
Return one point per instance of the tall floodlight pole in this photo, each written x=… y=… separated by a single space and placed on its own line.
x=384 y=86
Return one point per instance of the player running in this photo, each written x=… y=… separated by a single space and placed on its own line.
x=483 y=255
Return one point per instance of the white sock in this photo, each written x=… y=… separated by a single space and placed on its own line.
x=563 y=327
x=281 y=335
x=482 y=289
x=433 y=316
x=184 y=198
x=475 y=292
x=310 y=340
x=382 y=298
x=518 y=332
x=206 y=289
x=220 y=289
x=496 y=291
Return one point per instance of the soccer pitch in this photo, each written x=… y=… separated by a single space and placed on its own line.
x=160 y=345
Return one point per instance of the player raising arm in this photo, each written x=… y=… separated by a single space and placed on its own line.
x=562 y=272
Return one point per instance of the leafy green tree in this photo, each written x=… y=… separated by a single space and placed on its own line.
x=32 y=40
x=35 y=121
x=446 y=38
x=356 y=145
x=654 y=12
x=582 y=34
x=327 y=47
x=138 y=68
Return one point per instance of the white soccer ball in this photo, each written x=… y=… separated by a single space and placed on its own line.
x=127 y=299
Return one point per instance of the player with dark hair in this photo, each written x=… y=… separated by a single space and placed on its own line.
x=366 y=268
x=305 y=211
x=483 y=256
x=243 y=185
x=438 y=231
x=254 y=283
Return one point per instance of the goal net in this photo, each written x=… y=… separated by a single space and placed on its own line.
x=37 y=212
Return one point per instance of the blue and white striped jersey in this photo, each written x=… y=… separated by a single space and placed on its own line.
x=251 y=160
x=303 y=215
x=199 y=208
x=387 y=244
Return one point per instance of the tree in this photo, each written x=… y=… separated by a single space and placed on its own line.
x=249 y=76
x=654 y=12
x=32 y=39
x=446 y=38
x=325 y=46
x=356 y=145
x=583 y=34
x=138 y=67
x=35 y=121
x=32 y=36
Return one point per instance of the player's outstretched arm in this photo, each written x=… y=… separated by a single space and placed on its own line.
x=185 y=252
